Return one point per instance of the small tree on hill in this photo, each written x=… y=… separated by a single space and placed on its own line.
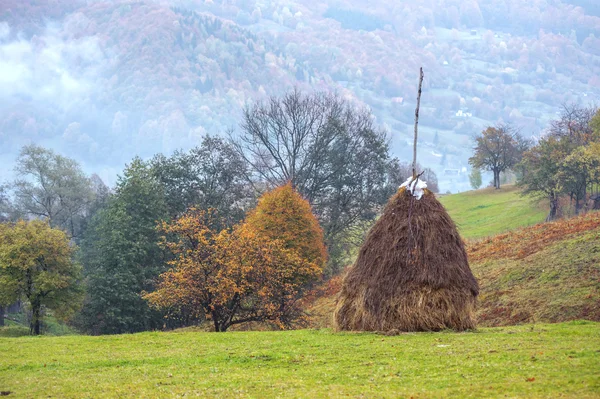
x=36 y=263
x=230 y=277
x=540 y=167
x=475 y=178
x=566 y=161
x=498 y=149
x=282 y=214
x=579 y=171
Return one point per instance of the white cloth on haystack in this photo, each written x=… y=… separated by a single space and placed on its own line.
x=415 y=187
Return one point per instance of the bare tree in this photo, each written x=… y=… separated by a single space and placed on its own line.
x=574 y=124
x=330 y=151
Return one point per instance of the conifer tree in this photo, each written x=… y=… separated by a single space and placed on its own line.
x=121 y=256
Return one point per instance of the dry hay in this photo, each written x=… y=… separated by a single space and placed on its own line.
x=411 y=274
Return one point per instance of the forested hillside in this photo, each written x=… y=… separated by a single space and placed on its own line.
x=106 y=80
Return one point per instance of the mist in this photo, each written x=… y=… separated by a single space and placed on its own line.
x=105 y=81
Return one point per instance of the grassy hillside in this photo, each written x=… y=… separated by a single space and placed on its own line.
x=486 y=212
x=549 y=272
x=529 y=361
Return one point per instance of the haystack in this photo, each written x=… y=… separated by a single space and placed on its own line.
x=412 y=272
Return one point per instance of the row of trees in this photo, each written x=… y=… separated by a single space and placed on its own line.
x=563 y=163
x=256 y=271
x=566 y=161
x=326 y=149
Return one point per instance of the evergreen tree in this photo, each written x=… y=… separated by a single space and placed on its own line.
x=210 y=175
x=121 y=256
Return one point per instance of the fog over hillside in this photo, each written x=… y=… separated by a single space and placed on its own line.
x=102 y=81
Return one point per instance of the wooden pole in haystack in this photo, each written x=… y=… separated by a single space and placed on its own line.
x=412 y=271
x=414 y=164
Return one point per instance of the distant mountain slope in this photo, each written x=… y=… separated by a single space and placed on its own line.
x=106 y=80
x=116 y=79
x=545 y=273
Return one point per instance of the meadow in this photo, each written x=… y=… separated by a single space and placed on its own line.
x=529 y=276
x=533 y=361
x=486 y=212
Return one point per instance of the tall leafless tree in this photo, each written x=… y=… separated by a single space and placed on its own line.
x=329 y=149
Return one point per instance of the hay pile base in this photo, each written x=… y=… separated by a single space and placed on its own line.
x=412 y=273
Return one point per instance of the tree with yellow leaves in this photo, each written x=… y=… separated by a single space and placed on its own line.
x=282 y=214
x=232 y=276
x=36 y=264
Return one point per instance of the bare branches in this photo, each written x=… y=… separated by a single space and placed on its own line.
x=574 y=123
x=327 y=148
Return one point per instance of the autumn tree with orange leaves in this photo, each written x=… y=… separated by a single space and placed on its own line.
x=230 y=276
x=282 y=214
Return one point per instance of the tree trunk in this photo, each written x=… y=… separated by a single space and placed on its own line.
x=35 y=318
x=219 y=327
x=553 y=209
x=497 y=179
x=1 y=316
x=36 y=327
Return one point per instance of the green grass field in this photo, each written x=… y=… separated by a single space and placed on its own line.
x=487 y=212
x=548 y=272
x=534 y=361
